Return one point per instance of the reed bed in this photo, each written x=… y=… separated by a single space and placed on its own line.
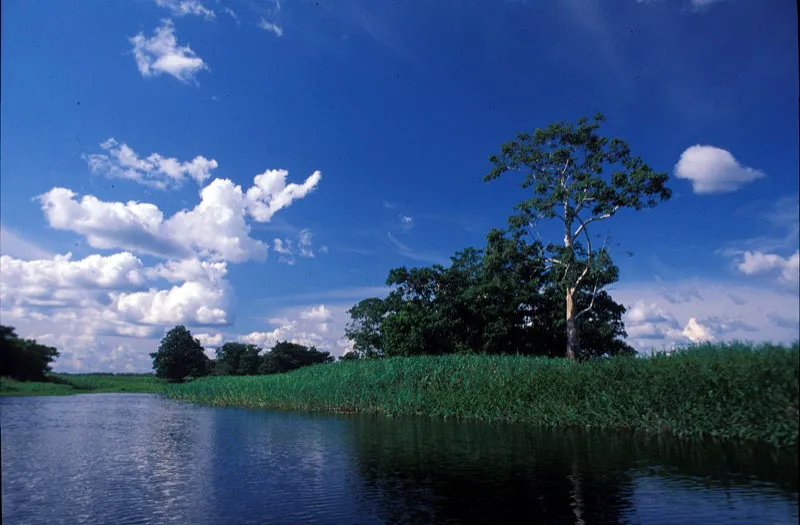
x=728 y=391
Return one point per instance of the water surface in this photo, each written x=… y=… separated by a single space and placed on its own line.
x=134 y=458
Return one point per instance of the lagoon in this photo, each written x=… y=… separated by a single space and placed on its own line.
x=140 y=458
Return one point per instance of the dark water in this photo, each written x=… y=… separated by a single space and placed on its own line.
x=128 y=458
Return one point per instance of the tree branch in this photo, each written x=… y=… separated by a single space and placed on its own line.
x=583 y=225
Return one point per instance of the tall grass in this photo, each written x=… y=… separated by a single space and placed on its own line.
x=724 y=390
x=67 y=384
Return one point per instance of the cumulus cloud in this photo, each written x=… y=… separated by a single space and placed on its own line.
x=215 y=228
x=321 y=326
x=708 y=311
x=696 y=332
x=209 y=340
x=161 y=54
x=131 y=226
x=713 y=170
x=270 y=193
x=759 y=263
x=187 y=7
x=120 y=161
x=271 y=27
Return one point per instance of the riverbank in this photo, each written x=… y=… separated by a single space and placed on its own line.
x=69 y=384
x=733 y=391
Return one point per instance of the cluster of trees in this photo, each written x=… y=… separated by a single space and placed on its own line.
x=518 y=295
x=24 y=359
x=181 y=356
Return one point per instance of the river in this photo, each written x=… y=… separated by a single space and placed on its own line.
x=134 y=458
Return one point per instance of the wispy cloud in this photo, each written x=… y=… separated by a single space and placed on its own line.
x=14 y=245
x=161 y=54
x=271 y=27
x=231 y=13
x=187 y=8
x=406 y=251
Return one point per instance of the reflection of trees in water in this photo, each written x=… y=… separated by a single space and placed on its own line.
x=436 y=471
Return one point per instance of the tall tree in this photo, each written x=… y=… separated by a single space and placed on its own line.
x=578 y=177
x=179 y=356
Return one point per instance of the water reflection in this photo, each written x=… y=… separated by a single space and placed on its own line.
x=141 y=459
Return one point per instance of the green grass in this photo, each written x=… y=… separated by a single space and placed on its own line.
x=67 y=384
x=735 y=391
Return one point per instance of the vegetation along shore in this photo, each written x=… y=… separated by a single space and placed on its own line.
x=736 y=391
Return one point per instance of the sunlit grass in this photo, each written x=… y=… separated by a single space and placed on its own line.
x=723 y=390
x=66 y=384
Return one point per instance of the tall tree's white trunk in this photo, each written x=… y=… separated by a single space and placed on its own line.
x=573 y=342
x=572 y=328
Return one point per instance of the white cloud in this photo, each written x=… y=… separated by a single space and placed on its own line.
x=269 y=26
x=209 y=340
x=215 y=228
x=286 y=247
x=283 y=246
x=187 y=7
x=196 y=303
x=759 y=263
x=696 y=332
x=131 y=226
x=304 y=244
x=713 y=170
x=707 y=309
x=122 y=162
x=26 y=281
x=270 y=193
x=318 y=313
x=162 y=54
x=15 y=246
x=321 y=326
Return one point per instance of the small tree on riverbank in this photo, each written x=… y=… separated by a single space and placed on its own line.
x=24 y=359
x=180 y=356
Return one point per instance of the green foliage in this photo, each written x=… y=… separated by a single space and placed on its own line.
x=24 y=359
x=364 y=327
x=237 y=359
x=579 y=177
x=502 y=299
x=732 y=391
x=349 y=356
x=180 y=356
x=286 y=356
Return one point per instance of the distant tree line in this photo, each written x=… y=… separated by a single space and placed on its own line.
x=24 y=359
x=517 y=294
x=181 y=356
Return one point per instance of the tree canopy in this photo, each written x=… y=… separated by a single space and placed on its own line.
x=24 y=359
x=500 y=299
x=180 y=356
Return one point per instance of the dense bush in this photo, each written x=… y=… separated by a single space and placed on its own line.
x=180 y=356
x=24 y=359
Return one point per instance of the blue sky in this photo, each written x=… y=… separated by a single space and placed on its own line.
x=253 y=169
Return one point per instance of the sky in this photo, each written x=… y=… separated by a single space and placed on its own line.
x=252 y=170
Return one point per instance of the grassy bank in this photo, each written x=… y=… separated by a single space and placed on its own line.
x=727 y=391
x=67 y=384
